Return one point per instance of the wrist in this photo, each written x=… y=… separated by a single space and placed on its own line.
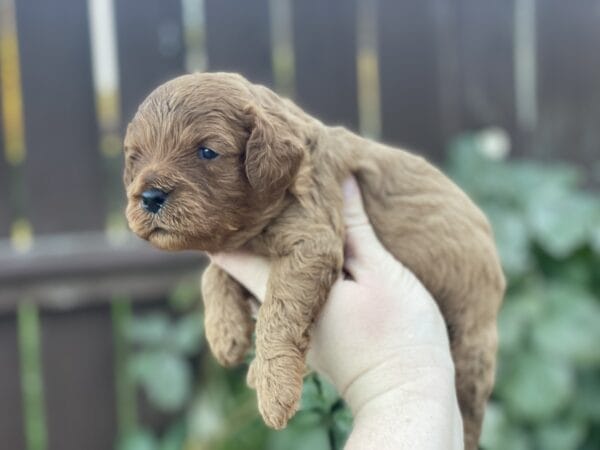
x=389 y=423
x=399 y=408
x=416 y=375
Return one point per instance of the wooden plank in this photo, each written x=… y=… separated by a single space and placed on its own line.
x=5 y=205
x=409 y=76
x=11 y=414
x=325 y=51
x=238 y=38
x=87 y=255
x=62 y=170
x=71 y=293
x=79 y=379
x=449 y=64
x=150 y=46
x=568 y=81
x=485 y=41
x=63 y=272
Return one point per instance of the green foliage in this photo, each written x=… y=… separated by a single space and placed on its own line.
x=144 y=439
x=323 y=421
x=222 y=413
x=161 y=366
x=547 y=394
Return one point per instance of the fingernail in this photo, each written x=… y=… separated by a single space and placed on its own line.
x=350 y=188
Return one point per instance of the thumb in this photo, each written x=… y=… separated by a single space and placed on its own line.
x=363 y=249
x=251 y=271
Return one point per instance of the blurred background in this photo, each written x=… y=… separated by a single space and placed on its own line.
x=101 y=340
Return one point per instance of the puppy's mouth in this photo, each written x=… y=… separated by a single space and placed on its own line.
x=156 y=231
x=166 y=239
x=158 y=234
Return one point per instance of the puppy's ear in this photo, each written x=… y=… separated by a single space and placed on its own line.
x=273 y=153
x=127 y=166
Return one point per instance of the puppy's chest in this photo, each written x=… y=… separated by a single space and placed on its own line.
x=268 y=242
x=280 y=238
x=259 y=245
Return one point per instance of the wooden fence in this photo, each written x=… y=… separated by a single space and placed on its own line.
x=411 y=72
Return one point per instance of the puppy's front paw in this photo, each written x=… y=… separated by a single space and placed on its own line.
x=278 y=384
x=229 y=342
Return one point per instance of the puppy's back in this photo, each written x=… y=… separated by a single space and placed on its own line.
x=433 y=227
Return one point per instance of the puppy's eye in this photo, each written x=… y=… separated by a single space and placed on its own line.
x=206 y=153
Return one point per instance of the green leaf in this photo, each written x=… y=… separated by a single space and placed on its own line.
x=342 y=426
x=165 y=377
x=185 y=295
x=587 y=402
x=305 y=432
x=561 y=221
x=538 y=388
x=174 y=437
x=318 y=394
x=530 y=178
x=328 y=392
x=570 y=329
x=186 y=335
x=578 y=269
x=149 y=330
x=494 y=426
x=464 y=160
x=498 y=433
x=565 y=434
x=595 y=239
x=514 y=439
x=311 y=396
x=206 y=418
x=139 y=440
x=512 y=239
x=516 y=316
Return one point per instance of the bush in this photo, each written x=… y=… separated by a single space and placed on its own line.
x=547 y=394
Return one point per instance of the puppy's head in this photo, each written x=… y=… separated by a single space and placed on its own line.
x=206 y=156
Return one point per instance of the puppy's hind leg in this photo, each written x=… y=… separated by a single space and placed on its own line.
x=474 y=355
x=227 y=316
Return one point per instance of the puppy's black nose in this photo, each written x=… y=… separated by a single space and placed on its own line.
x=153 y=199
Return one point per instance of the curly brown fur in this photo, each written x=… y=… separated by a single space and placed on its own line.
x=275 y=190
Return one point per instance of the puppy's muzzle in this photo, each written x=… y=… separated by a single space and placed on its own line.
x=153 y=200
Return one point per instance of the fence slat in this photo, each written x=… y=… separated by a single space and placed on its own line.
x=408 y=76
x=5 y=210
x=568 y=81
x=62 y=169
x=77 y=358
x=485 y=40
x=150 y=47
x=238 y=38
x=325 y=49
x=11 y=413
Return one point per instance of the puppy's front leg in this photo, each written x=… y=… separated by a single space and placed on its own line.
x=298 y=286
x=227 y=316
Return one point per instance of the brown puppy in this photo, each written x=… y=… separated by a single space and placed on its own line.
x=216 y=163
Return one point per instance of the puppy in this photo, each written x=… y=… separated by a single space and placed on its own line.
x=216 y=163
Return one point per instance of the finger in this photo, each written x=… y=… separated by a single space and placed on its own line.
x=363 y=249
x=250 y=270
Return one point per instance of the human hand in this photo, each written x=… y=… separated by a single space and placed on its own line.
x=380 y=339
